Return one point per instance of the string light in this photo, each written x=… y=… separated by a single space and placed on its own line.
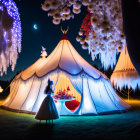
x=10 y=37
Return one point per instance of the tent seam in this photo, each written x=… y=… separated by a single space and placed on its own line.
x=60 y=55
x=12 y=90
x=91 y=96
x=15 y=94
x=74 y=58
x=27 y=95
x=37 y=96
x=110 y=97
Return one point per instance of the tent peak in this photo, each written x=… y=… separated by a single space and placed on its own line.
x=64 y=37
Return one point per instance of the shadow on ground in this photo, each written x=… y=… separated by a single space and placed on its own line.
x=116 y=126
x=40 y=130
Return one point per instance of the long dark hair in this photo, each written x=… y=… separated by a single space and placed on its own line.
x=47 y=88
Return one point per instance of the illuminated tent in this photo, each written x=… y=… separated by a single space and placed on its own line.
x=66 y=68
x=125 y=74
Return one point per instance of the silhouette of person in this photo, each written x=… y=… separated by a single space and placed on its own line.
x=47 y=110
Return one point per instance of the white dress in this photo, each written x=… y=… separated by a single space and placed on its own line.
x=47 y=110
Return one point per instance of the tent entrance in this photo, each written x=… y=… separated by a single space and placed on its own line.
x=64 y=85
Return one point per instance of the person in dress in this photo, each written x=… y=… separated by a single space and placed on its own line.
x=47 y=110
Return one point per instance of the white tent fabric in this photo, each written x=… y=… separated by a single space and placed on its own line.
x=125 y=74
x=76 y=82
x=97 y=94
x=64 y=57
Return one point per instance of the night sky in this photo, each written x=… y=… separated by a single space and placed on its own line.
x=131 y=23
x=47 y=34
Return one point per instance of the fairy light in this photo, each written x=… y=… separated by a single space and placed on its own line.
x=9 y=55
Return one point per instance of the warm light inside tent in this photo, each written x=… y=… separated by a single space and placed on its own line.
x=63 y=83
x=135 y=102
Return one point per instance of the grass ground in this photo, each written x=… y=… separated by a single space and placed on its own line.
x=117 y=126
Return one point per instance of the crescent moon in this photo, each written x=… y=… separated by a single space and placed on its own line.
x=35 y=27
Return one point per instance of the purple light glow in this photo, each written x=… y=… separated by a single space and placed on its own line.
x=11 y=38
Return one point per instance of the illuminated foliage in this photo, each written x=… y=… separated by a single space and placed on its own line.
x=10 y=35
x=101 y=31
